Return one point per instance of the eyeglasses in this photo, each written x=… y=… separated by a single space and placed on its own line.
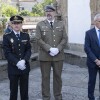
x=16 y=22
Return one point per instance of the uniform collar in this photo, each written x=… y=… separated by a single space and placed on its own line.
x=16 y=32
x=50 y=21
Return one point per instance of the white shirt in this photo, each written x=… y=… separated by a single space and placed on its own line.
x=97 y=31
x=50 y=21
x=16 y=32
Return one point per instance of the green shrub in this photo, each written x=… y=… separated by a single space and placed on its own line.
x=24 y=13
x=8 y=10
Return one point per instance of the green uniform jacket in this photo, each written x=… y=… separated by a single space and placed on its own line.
x=48 y=37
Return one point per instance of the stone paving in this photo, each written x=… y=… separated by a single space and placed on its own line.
x=74 y=78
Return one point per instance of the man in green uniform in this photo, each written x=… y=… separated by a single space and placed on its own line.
x=51 y=37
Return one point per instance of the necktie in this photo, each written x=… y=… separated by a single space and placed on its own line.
x=99 y=37
x=51 y=23
x=18 y=36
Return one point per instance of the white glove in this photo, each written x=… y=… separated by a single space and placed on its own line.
x=55 y=51
x=51 y=54
x=21 y=65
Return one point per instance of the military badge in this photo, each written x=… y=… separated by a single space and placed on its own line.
x=44 y=27
x=24 y=40
x=11 y=40
x=58 y=27
x=15 y=18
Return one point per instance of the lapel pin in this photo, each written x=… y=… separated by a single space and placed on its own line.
x=12 y=41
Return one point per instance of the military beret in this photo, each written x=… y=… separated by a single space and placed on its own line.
x=16 y=18
x=49 y=8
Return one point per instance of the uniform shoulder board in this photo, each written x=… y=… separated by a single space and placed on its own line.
x=42 y=21
x=7 y=33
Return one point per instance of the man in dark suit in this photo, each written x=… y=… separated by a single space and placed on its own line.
x=17 y=50
x=52 y=38
x=92 y=49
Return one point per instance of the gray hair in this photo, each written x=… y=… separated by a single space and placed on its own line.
x=96 y=16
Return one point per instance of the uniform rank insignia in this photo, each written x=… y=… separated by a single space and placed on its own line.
x=7 y=33
x=24 y=40
x=11 y=40
x=44 y=27
x=57 y=27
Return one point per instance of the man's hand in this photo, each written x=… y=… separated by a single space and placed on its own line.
x=54 y=51
x=97 y=61
x=21 y=65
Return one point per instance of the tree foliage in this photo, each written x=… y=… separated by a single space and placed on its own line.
x=25 y=13
x=8 y=10
x=38 y=9
x=47 y=2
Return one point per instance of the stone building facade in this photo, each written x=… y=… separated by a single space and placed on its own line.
x=62 y=6
x=62 y=9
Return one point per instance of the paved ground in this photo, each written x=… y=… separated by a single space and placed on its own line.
x=74 y=84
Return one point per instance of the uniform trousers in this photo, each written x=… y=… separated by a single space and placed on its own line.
x=22 y=81
x=92 y=81
x=57 y=81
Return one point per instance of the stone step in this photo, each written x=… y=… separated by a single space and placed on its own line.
x=75 y=58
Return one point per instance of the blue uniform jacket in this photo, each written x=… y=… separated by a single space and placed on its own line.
x=15 y=50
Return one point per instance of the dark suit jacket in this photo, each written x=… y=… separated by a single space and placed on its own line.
x=15 y=50
x=92 y=47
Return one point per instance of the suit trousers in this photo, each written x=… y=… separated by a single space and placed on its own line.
x=22 y=81
x=57 y=81
x=92 y=81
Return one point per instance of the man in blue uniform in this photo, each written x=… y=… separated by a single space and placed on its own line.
x=17 y=50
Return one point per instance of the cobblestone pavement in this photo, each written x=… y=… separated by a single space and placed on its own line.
x=75 y=81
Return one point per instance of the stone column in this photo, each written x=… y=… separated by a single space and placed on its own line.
x=62 y=11
x=95 y=8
